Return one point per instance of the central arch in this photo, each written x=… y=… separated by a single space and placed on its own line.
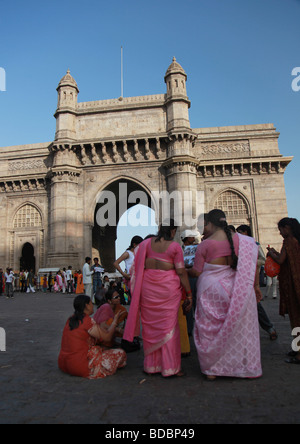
x=113 y=201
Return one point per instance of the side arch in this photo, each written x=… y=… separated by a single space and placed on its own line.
x=235 y=205
x=28 y=228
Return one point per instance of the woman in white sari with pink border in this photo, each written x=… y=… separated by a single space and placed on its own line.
x=226 y=321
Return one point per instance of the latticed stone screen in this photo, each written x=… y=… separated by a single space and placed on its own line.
x=27 y=217
x=232 y=204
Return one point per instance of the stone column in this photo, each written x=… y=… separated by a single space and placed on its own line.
x=181 y=172
x=66 y=237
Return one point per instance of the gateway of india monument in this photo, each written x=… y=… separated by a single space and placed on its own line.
x=49 y=191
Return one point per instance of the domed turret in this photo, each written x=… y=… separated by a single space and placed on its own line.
x=67 y=91
x=175 y=68
x=68 y=80
x=177 y=101
x=66 y=108
x=175 y=79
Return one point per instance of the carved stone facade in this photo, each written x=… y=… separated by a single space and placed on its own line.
x=49 y=192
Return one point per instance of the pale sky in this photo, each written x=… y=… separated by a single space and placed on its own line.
x=239 y=56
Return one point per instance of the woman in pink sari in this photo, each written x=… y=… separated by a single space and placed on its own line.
x=156 y=284
x=226 y=324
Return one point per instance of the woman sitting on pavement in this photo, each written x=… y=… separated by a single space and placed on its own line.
x=106 y=313
x=81 y=355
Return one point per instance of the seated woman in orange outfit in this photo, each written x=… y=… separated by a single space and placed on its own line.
x=80 y=355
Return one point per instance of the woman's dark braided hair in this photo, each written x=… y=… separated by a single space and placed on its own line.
x=293 y=223
x=218 y=218
x=79 y=305
x=165 y=231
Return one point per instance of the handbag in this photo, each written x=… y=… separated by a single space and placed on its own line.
x=272 y=269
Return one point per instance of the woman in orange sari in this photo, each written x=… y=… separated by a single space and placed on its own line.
x=289 y=276
x=80 y=355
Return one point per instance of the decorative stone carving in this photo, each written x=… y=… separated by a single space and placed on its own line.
x=24 y=165
x=125 y=151
x=65 y=175
x=94 y=155
x=240 y=169
x=225 y=148
x=115 y=153
x=14 y=186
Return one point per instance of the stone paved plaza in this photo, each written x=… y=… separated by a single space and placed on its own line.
x=34 y=391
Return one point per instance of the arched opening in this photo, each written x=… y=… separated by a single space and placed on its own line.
x=115 y=201
x=137 y=221
x=27 y=217
x=235 y=207
x=27 y=261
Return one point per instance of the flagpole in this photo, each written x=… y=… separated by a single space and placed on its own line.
x=122 y=81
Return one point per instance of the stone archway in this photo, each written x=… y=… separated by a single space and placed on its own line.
x=116 y=198
x=27 y=260
x=26 y=240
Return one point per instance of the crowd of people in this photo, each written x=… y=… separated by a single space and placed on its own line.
x=91 y=280
x=210 y=290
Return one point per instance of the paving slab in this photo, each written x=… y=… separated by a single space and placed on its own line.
x=34 y=391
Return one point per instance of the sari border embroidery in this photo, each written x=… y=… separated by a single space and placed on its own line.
x=160 y=344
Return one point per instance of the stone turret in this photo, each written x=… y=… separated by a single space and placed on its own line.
x=64 y=228
x=181 y=165
x=66 y=109
x=177 y=101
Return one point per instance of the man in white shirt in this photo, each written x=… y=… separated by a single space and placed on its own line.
x=87 y=277
x=69 y=278
x=9 y=279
